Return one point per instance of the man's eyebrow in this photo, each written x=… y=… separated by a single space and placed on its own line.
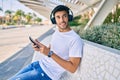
x=57 y=16
x=65 y=14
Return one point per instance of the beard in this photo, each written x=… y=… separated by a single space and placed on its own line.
x=63 y=26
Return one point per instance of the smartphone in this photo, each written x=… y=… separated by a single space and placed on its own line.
x=33 y=41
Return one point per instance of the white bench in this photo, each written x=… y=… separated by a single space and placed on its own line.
x=98 y=63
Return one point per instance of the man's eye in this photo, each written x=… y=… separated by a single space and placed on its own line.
x=65 y=16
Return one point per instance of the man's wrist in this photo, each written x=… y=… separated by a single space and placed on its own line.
x=50 y=53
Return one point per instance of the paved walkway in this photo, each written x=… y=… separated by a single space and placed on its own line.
x=19 y=59
x=13 y=40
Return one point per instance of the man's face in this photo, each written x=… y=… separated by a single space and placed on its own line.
x=61 y=18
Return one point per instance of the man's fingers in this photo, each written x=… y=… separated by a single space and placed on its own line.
x=38 y=42
x=34 y=46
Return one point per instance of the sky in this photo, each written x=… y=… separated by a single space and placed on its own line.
x=15 y=5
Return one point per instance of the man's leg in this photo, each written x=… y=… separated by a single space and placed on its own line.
x=31 y=72
x=30 y=69
x=30 y=75
x=26 y=69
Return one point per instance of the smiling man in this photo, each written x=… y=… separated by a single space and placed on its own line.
x=64 y=53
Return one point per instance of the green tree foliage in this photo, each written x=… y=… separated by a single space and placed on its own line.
x=75 y=21
x=38 y=19
x=28 y=17
x=20 y=17
x=113 y=17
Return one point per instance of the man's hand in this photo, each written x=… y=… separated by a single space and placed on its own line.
x=42 y=48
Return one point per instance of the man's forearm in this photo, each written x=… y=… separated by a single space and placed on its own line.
x=71 y=66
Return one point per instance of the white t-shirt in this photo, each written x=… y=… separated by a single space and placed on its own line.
x=65 y=45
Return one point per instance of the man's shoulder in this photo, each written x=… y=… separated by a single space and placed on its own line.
x=75 y=35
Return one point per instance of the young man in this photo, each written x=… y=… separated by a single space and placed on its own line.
x=64 y=53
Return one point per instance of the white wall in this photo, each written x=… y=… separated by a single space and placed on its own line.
x=98 y=63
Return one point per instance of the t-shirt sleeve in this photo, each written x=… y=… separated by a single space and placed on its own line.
x=76 y=48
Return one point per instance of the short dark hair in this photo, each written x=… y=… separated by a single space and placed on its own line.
x=60 y=8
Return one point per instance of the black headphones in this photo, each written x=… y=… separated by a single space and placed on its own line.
x=61 y=8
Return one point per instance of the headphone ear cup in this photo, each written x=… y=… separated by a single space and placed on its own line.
x=53 y=20
x=70 y=17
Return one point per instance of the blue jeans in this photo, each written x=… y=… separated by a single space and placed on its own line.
x=31 y=72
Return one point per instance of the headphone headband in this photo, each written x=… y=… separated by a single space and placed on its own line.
x=61 y=8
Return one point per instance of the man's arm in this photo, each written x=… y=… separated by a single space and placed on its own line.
x=70 y=65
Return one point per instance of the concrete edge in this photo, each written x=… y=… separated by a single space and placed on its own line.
x=103 y=47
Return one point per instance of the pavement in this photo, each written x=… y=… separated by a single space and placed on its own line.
x=14 y=39
x=22 y=57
